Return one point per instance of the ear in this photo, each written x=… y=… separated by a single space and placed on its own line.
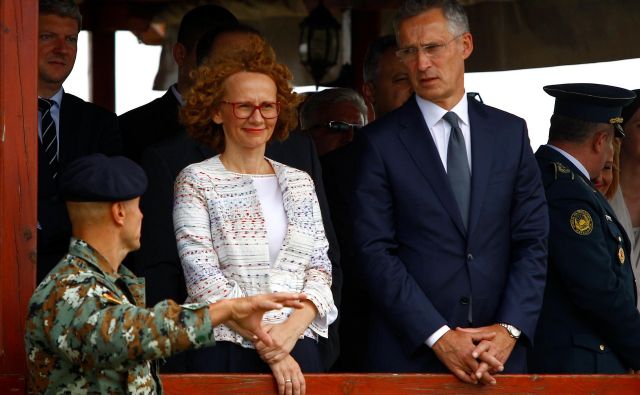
x=216 y=115
x=368 y=91
x=467 y=45
x=118 y=213
x=600 y=141
x=179 y=54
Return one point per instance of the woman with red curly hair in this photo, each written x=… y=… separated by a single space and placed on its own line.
x=246 y=224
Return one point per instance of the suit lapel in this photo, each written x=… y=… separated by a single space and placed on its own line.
x=482 y=160
x=416 y=138
x=67 y=132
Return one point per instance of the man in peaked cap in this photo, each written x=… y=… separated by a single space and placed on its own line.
x=589 y=322
x=87 y=329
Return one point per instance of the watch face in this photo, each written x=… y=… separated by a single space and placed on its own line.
x=512 y=330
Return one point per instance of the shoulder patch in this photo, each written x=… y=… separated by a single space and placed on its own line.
x=581 y=222
x=561 y=171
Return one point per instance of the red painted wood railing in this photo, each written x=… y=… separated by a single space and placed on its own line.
x=384 y=384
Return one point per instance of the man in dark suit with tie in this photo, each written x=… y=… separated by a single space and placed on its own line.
x=589 y=322
x=450 y=219
x=68 y=127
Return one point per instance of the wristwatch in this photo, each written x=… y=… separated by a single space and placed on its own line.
x=513 y=331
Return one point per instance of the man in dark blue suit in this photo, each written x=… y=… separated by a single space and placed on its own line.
x=450 y=219
x=589 y=322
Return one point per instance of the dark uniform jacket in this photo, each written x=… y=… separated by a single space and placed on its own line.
x=589 y=322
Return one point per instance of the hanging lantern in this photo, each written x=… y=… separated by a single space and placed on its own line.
x=319 y=42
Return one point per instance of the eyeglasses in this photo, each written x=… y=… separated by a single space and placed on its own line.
x=244 y=110
x=340 y=126
x=431 y=51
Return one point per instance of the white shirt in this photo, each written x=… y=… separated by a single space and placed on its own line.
x=441 y=130
x=55 y=115
x=573 y=160
x=174 y=90
x=272 y=207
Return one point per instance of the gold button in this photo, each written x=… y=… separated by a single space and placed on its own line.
x=602 y=347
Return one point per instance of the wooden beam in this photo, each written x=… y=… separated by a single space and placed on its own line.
x=18 y=182
x=383 y=384
x=103 y=69
x=365 y=28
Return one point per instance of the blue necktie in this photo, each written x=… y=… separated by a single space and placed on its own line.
x=458 y=167
x=49 y=135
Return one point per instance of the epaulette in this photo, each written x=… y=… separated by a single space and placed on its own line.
x=561 y=172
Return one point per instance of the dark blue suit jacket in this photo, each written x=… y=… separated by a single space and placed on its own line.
x=422 y=269
x=589 y=322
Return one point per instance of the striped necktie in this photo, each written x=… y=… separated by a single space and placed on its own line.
x=458 y=167
x=49 y=135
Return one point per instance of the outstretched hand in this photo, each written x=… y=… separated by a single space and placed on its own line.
x=246 y=313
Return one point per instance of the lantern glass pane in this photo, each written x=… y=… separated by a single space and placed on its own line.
x=319 y=42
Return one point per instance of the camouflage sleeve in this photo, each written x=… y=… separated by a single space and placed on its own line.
x=93 y=329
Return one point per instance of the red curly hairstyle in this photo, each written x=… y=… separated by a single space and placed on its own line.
x=208 y=91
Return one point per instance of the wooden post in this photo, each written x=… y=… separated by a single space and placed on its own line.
x=365 y=28
x=103 y=66
x=18 y=182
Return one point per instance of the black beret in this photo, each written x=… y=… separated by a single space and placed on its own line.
x=99 y=178
x=591 y=102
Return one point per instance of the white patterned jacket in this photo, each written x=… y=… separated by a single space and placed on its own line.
x=223 y=245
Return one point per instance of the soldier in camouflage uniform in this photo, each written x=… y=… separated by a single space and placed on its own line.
x=87 y=329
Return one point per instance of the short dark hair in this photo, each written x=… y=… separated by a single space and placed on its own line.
x=200 y=19
x=375 y=51
x=570 y=129
x=63 y=8
x=205 y=44
x=452 y=10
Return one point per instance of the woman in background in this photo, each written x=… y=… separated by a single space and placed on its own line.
x=626 y=201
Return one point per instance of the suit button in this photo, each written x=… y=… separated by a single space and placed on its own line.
x=469 y=257
x=602 y=347
x=464 y=301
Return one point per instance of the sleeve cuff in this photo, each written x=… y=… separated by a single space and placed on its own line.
x=431 y=340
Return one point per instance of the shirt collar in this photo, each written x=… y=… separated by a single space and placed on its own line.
x=573 y=160
x=82 y=249
x=57 y=97
x=433 y=113
x=177 y=94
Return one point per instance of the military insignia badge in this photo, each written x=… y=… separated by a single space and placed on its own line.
x=562 y=168
x=581 y=222
x=621 y=255
x=111 y=298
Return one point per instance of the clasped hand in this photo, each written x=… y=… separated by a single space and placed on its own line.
x=283 y=341
x=475 y=354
